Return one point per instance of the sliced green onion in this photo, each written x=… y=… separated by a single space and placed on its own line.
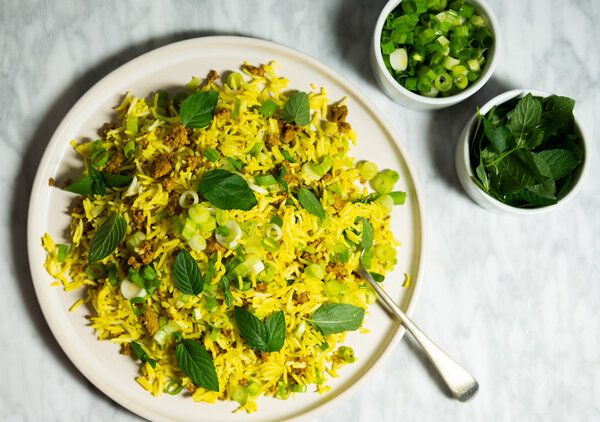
x=211 y=154
x=197 y=242
x=265 y=180
x=199 y=213
x=385 y=201
x=269 y=272
x=165 y=332
x=366 y=169
x=208 y=226
x=235 y=80
x=138 y=305
x=269 y=244
x=398 y=197
x=210 y=304
x=288 y=156
x=384 y=181
x=234 y=163
x=173 y=387
x=61 y=252
x=188 y=230
x=194 y=83
x=399 y=59
x=315 y=271
x=129 y=149
x=132 y=125
x=256 y=148
x=443 y=82
x=99 y=155
x=230 y=239
x=477 y=20
x=130 y=290
x=346 y=353
x=253 y=388
x=134 y=241
x=240 y=395
x=333 y=288
x=384 y=253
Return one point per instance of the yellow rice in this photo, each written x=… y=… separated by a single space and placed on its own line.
x=303 y=361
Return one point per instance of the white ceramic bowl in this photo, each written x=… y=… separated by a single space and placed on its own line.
x=466 y=174
x=410 y=99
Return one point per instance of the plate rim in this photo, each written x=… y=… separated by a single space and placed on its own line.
x=55 y=141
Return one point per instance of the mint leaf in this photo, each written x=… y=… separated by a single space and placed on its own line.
x=367 y=234
x=186 y=273
x=281 y=178
x=557 y=162
x=275 y=326
x=116 y=180
x=226 y=291
x=526 y=115
x=337 y=317
x=501 y=139
x=195 y=361
x=514 y=174
x=107 y=237
x=311 y=203
x=140 y=353
x=252 y=329
x=268 y=108
x=226 y=190
x=482 y=176
x=197 y=110
x=297 y=109
x=557 y=112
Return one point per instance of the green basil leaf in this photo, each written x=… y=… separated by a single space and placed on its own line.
x=186 y=273
x=311 y=203
x=197 y=110
x=275 y=326
x=334 y=318
x=107 y=237
x=226 y=190
x=368 y=234
x=297 y=109
x=116 y=180
x=268 y=108
x=558 y=162
x=526 y=116
x=252 y=330
x=197 y=363
x=141 y=354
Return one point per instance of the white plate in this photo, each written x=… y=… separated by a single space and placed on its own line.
x=171 y=66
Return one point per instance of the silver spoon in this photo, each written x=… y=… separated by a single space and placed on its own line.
x=461 y=384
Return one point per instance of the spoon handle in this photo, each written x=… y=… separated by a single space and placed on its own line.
x=461 y=384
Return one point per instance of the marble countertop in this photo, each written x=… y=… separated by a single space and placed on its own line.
x=516 y=299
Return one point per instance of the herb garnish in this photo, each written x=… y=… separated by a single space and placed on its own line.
x=297 y=109
x=141 y=354
x=281 y=178
x=187 y=274
x=268 y=108
x=226 y=190
x=197 y=110
x=268 y=336
x=96 y=182
x=334 y=318
x=366 y=243
x=311 y=203
x=197 y=363
x=524 y=152
x=107 y=237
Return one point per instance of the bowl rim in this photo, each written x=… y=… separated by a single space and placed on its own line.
x=488 y=68
x=501 y=99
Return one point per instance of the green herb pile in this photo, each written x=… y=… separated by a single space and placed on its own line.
x=526 y=152
x=435 y=49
